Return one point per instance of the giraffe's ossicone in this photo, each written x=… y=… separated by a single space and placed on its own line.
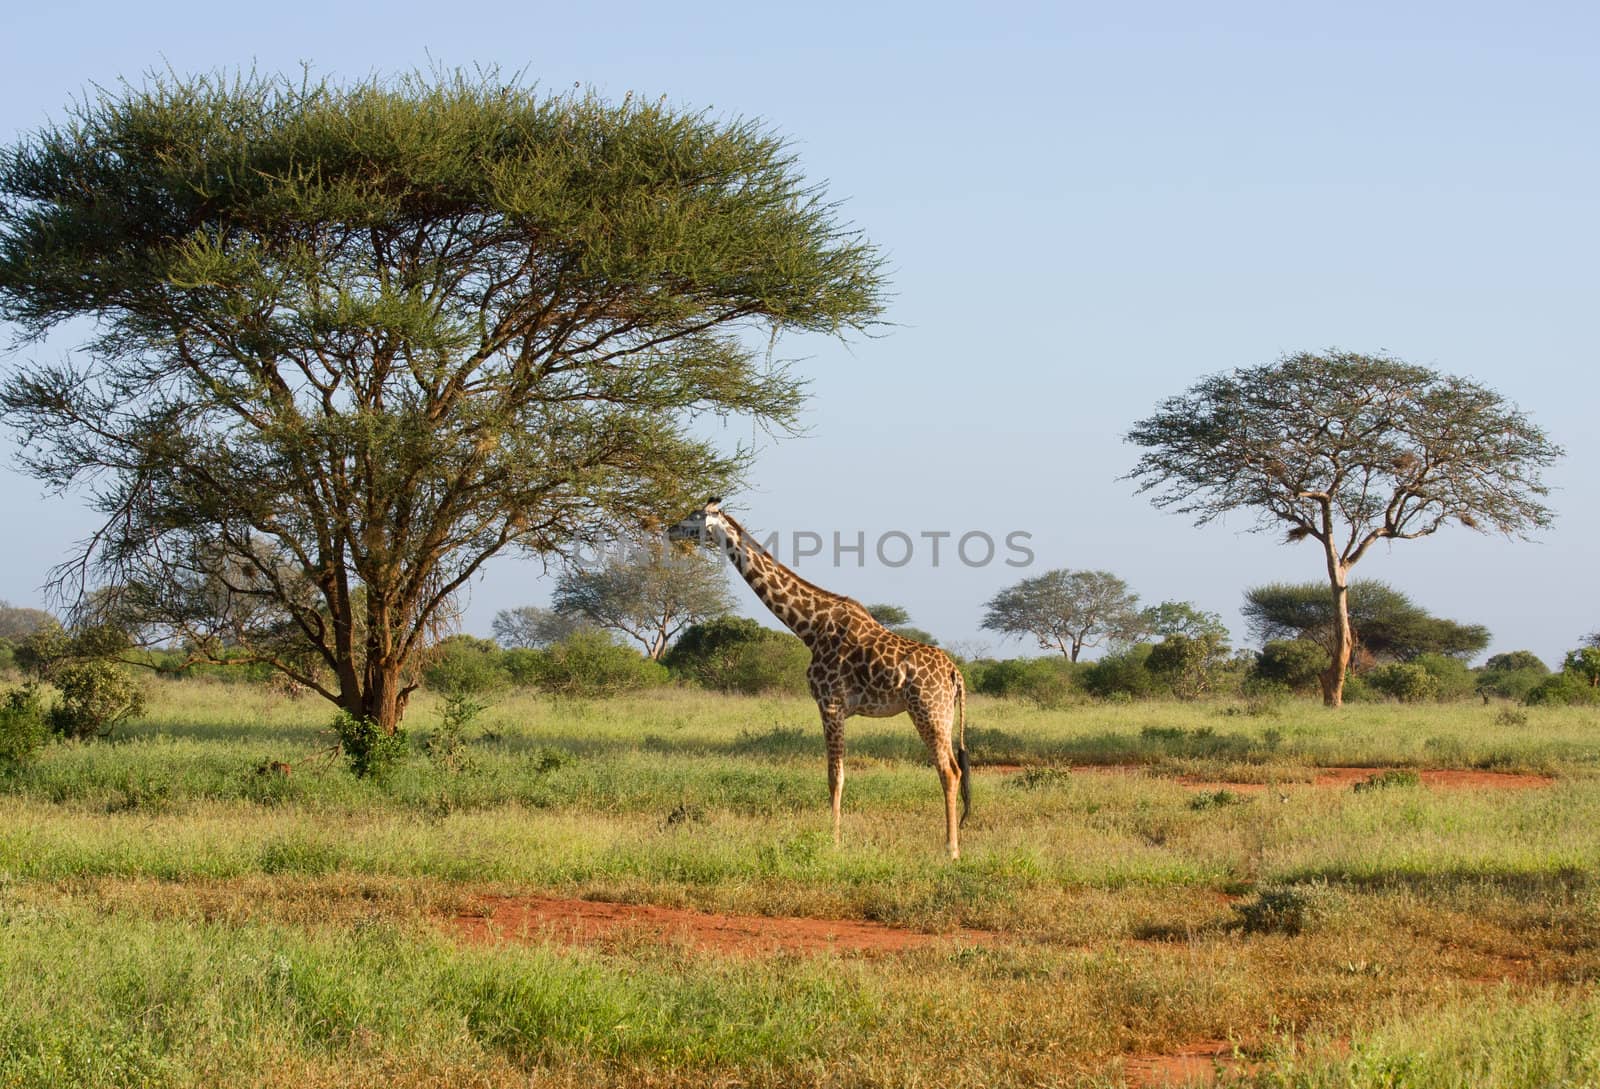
x=858 y=667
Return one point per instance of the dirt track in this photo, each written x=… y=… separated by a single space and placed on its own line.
x=545 y=918
x=1333 y=777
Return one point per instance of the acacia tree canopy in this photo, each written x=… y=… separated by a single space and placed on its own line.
x=353 y=341
x=1067 y=610
x=898 y=620
x=1385 y=622
x=1185 y=619
x=1347 y=450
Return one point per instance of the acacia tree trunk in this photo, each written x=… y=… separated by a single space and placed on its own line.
x=1343 y=642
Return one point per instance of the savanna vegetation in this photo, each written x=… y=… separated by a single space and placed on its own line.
x=352 y=342
x=210 y=894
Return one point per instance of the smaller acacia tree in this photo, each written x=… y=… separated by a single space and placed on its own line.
x=1182 y=618
x=898 y=620
x=1346 y=450
x=1067 y=610
x=1385 y=624
x=531 y=627
x=647 y=591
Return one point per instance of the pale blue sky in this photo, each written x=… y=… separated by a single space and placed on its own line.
x=1084 y=208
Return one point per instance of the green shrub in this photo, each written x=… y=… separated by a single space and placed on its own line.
x=1124 y=674
x=1216 y=799
x=1295 y=664
x=1288 y=909
x=1041 y=777
x=776 y=664
x=1563 y=690
x=1047 y=682
x=1188 y=665
x=1403 y=681
x=22 y=726
x=464 y=665
x=1389 y=777
x=1584 y=663
x=736 y=654
x=1510 y=684
x=96 y=696
x=590 y=663
x=1511 y=716
x=1453 y=679
x=370 y=752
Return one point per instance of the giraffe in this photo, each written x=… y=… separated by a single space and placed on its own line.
x=858 y=666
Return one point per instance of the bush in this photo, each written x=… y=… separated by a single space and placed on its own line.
x=1190 y=666
x=96 y=696
x=1403 y=681
x=1047 y=682
x=370 y=752
x=1388 y=777
x=1515 y=661
x=736 y=654
x=1296 y=664
x=464 y=665
x=1563 y=690
x=1289 y=909
x=1510 y=684
x=1123 y=675
x=22 y=726
x=775 y=664
x=1453 y=678
x=591 y=663
x=96 y=693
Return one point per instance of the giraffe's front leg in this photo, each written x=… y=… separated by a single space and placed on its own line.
x=833 y=734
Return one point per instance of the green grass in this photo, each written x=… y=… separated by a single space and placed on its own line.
x=171 y=916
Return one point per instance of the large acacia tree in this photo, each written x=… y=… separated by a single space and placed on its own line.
x=1346 y=450
x=351 y=341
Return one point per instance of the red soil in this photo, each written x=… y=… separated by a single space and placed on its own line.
x=1193 y=1065
x=1440 y=778
x=552 y=919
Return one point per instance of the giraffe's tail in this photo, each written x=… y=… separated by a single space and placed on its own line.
x=962 y=763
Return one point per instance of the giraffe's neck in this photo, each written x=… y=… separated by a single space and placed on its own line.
x=792 y=599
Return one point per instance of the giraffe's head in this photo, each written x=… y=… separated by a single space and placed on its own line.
x=699 y=524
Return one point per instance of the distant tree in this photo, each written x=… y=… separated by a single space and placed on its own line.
x=1515 y=660
x=530 y=627
x=17 y=623
x=1511 y=675
x=1067 y=610
x=890 y=616
x=1346 y=450
x=1385 y=624
x=648 y=592
x=1183 y=618
x=348 y=343
x=898 y=620
x=1584 y=663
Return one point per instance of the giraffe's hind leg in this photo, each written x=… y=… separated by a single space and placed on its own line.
x=935 y=731
x=833 y=734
